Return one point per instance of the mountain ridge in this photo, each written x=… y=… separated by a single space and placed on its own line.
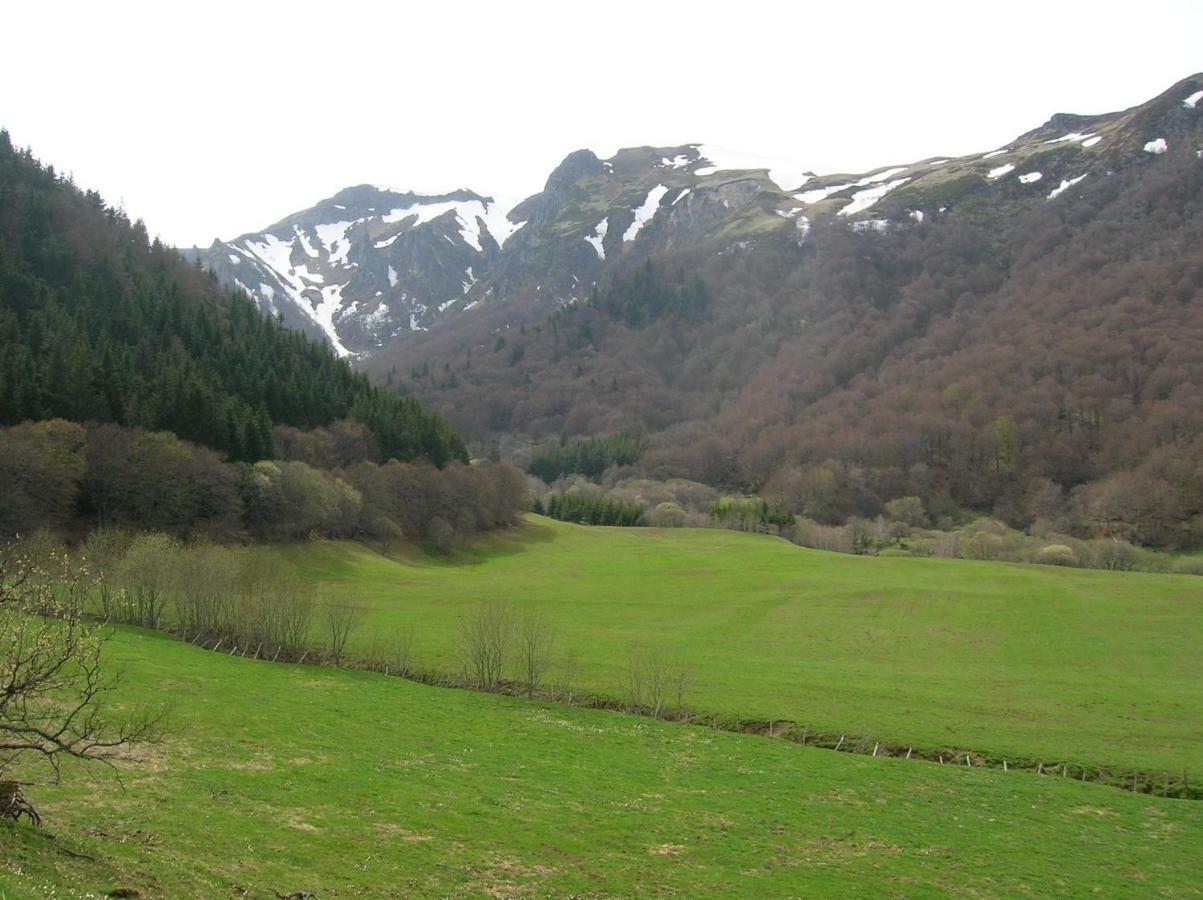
x=370 y=269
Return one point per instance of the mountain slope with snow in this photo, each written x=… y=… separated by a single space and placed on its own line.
x=367 y=266
x=371 y=270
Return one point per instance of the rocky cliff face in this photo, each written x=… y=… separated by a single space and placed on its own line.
x=372 y=270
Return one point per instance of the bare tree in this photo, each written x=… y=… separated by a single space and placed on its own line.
x=341 y=620
x=146 y=574
x=536 y=638
x=53 y=679
x=392 y=653
x=485 y=635
x=296 y=617
x=654 y=678
x=569 y=664
x=103 y=551
x=206 y=580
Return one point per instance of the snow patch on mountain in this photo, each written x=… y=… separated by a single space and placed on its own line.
x=1030 y=177
x=1064 y=186
x=599 y=235
x=821 y=193
x=1193 y=100
x=1000 y=171
x=333 y=236
x=1156 y=147
x=862 y=200
x=324 y=312
x=309 y=249
x=1074 y=136
x=787 y=174
x=881 y=176
x=644 y=213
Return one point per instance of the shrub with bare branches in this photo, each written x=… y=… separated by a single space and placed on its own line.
x=656 y=678
x=341 y=620
x=54 y=683
x=535 y=646
x=485 y=636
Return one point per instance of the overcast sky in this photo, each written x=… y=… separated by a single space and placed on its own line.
x=217 y=118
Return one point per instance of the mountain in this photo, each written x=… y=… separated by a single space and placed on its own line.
x=100 y=324
x=988 y=330
x=370 y=270
x=1017 y=331
x=367 y=266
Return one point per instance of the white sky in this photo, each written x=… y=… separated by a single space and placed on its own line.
x=219 y=118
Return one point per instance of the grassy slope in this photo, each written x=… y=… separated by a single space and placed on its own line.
x=283 y=778
x=1067 y=664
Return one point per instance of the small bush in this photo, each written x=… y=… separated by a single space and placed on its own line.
x=1189 y=566
x=1057 y=555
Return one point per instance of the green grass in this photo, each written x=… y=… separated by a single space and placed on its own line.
x=283 y=778
x=1069 y=665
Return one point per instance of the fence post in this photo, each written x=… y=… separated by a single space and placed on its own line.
x=1004 y=765
x=908 y=752
x=841 y=743
x=875 y=746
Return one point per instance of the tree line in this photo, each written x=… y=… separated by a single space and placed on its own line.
x=64 y=477
x=587 y=509
x=589 y=457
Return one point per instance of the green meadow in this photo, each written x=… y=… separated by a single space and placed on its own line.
x=278 y=778
x=1068 y=665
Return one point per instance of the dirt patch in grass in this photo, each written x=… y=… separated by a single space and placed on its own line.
x=403 y=833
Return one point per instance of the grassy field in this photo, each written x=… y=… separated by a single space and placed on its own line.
x=280 y=778
x=1071 y=665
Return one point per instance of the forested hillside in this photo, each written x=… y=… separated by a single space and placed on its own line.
x=1024 y=339
x=98 y=323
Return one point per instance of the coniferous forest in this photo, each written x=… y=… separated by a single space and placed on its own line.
x=100 y=323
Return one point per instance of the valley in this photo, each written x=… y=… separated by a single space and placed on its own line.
x=675 y=520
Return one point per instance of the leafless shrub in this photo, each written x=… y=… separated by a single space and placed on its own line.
x=392 y=652
x=206 y=585
x=145 y=573
x=103 y=552
x=654 y=678
x=566 y=676
x=53 y=704
x=341 y=620
x=485 y=637
x=536 y=638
